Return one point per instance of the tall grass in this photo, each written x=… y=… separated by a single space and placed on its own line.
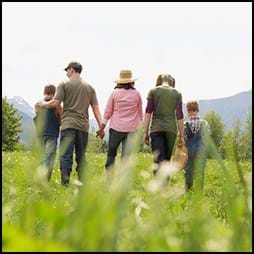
x=133 y=212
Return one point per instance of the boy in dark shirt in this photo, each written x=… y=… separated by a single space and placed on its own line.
x=47 y=123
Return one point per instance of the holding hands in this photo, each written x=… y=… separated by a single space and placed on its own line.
x=100 y=133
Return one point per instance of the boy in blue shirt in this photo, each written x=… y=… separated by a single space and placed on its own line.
x=47 y=123
x=196 y=131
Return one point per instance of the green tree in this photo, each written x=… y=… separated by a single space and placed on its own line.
x=11 y=126
x=217 y=129
x=246 y=139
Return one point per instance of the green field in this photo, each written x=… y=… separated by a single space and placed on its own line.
x=133 y=213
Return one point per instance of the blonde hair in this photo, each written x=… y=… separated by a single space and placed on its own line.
x=192 y=106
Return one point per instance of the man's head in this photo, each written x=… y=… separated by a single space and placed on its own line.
x=192 y=108
x=49 y=91
x=73 y=68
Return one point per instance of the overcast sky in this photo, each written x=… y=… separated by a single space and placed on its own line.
x=207 y=47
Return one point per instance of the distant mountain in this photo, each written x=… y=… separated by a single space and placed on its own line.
x=23 y=106
x=229 y=108
x=27 y=113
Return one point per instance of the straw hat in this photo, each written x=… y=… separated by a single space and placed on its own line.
x=125 y=77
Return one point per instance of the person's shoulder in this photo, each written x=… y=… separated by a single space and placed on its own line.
x=152 y=90
x=64 y=82
x=87 y=84
x=135 y=91
x=176 y=91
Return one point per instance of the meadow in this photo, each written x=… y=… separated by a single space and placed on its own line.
x=134 y=212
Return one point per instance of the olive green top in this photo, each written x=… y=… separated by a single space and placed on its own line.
x=76 y=96
x=165 y=99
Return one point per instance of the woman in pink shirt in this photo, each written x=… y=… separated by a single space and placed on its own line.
x=124 y=110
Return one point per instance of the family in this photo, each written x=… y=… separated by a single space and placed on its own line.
x=163 y=122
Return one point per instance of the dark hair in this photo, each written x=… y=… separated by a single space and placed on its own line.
x=49 y=89
x=168 y=78
x=192 y=106
x=77 y=70
x=125 y=86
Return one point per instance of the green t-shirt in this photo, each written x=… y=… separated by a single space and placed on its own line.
x=165 y=100
x=76 y=96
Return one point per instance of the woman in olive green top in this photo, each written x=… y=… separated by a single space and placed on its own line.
x=164 y=107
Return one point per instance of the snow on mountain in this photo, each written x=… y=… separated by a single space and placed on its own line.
x=20 y=104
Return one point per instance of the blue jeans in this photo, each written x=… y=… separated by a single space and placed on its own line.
x=195 y=169
x=70 y=139
x=49 y=146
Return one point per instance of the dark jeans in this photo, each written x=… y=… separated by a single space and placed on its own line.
x=70 y=139
x=195 y=169
x=115 y=139
x=162 y=143
x=49 y=146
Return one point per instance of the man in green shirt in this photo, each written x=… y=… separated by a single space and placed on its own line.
x=76 y=95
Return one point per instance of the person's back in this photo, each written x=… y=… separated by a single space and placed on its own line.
x=124 y=110
x=127 y=111
x=196 y=131
x=195 y=128
x=165 y=99
x=77 y=97
x=47 y=122
x=164 y=107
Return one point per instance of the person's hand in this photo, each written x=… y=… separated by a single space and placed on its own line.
x=146 y=139
x=36 y=106
x=100 y=133
x=181 y=141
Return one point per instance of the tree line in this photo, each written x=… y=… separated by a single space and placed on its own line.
x=240 y=134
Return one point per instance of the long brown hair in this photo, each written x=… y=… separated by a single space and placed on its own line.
x=165 y=78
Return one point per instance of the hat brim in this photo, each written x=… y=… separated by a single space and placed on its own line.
x=125 y=81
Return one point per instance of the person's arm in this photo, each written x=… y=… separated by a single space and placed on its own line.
x=140 y=111
x=147 y=120
x=49 y=104
x=56 y=101
x=180 y=122
x=181 y=131
x=59 y=112
x=148 y=115
x=108 y=112
x=36 y=107
x=97 y=114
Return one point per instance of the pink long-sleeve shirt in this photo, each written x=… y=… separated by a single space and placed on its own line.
x=124 y=108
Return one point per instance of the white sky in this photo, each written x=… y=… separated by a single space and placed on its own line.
x=207 y=47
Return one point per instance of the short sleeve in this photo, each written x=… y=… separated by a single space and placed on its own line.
x=94 y=100
x=60 y=92
x=180 y=98
x=150 y=94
